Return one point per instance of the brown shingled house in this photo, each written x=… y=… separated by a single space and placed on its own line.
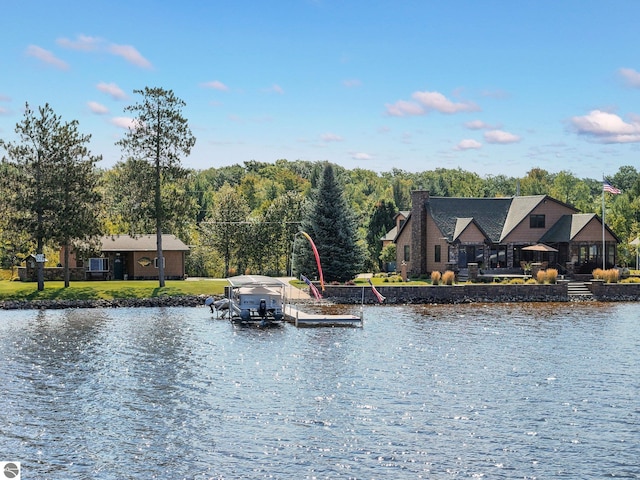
x=442 y=233
x=134 y=258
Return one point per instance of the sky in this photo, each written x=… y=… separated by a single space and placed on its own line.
x=492 y=87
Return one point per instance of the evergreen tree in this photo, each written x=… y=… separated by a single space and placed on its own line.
x=160 y=136
x=381 y=221
x=49 y=182
x=329 y=220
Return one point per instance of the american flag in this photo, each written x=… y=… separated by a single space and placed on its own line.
x=378 y=295
x=607 y=187
x=312 y=287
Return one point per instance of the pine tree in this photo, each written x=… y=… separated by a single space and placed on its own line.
x=330 y=222
x=160 y=136
x=49 y=182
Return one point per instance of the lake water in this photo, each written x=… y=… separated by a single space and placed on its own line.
x=464 y=391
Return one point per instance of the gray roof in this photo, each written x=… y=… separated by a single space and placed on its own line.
x=141 y=243
x=390 y=235
x=495 y=217
x=489 y=214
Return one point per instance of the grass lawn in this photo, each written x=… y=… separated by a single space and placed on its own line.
x=96 y=290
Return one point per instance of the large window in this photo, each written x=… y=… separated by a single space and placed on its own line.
x=437 y=253
x=98 y=264
x=536 y=221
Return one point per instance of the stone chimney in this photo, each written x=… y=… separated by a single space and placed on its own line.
x=418 y=252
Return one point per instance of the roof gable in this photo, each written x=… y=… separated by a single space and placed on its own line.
x=569 y=227
x=519 y=209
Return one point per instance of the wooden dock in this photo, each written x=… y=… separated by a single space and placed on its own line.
x=304 y=319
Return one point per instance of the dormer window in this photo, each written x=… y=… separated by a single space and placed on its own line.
x=536 y=221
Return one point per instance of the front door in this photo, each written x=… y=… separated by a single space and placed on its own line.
x=118 y=268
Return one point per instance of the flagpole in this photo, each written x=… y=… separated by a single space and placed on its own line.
x=603 y=242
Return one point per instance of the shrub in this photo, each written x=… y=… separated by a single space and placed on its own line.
x=531 y=281
x=541 y=276
x=551 y=275
x=598 y=274
x=448 y=277
x=435 y=277
x=517 y=281
x=611 y=275
x=631 y=280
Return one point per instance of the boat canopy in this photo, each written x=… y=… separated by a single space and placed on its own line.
x=254 y=281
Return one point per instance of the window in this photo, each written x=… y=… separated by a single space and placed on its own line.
x=98 y=264
x=155 y=262
x=536 y=221
x=437 y=253
x=406 y=253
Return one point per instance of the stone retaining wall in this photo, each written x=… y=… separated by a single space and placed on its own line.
x=165 y=301
x=466 y=293
x=615 y=292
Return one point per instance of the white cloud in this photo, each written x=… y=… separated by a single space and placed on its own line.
x=360 y=156
x=425 y=102
x=130 y=54
x=83 y=43
x=440 y=103
x=215 y=85
x=46 y=56
x=97 y=108
x=630 y=77
x=500 y=136
x=402 y=108
x=468 y=144
x=331 y=137
x=113 y=90
x=477 y=125
x=606 y=127
x=124 y=122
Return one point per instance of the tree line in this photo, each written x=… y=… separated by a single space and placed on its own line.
x=241 y=218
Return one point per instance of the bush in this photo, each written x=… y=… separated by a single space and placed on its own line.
x=435 y=277
x=517 y=281
x=631 y=280
x=611 y=275
x=541 y=276
x=531 y=281
x=448 y=277
x=551 y=275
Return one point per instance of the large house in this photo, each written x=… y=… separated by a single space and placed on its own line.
x=133 y=257
x=442 y=233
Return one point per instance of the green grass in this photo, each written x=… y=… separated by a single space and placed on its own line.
x=97 y=290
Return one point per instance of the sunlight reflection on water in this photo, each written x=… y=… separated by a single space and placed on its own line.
x=508 y=390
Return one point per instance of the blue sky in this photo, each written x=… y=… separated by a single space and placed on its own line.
x=493 y=87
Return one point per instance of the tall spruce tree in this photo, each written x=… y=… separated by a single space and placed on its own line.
x=160 y=136
x=330 y=222
x=49 y=182
x=381 y=221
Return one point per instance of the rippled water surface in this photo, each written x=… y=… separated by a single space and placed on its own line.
x=498 y=391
